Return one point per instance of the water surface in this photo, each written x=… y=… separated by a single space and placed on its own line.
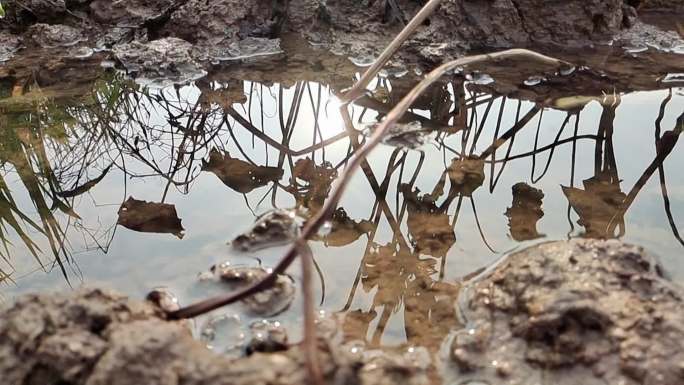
x=488 y=175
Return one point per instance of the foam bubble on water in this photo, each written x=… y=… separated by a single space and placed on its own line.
x=224 y=334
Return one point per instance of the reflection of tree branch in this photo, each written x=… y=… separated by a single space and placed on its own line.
x=665 y=146
x=661 y=171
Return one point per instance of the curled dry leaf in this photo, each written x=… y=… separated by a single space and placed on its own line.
x=344 y=230
x=430 y=229
x=150 y=217
x=466 y=175
x=598 y=206
x=239 y=175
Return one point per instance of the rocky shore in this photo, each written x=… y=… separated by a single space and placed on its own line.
x=573 y=312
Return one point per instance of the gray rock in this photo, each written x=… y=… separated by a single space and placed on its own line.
x=208 y=22
x=131 y=12
x=9 y=45
x=41 y=10
x=577 y=312
x=57 y=35
x=159 y=62
x=642 y=36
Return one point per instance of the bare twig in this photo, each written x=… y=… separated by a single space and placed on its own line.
x=310 y=342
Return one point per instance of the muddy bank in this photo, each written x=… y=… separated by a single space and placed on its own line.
x=577 y=312
x=93 y=336
x=241 y=34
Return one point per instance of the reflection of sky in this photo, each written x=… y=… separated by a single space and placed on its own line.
x=212 y=213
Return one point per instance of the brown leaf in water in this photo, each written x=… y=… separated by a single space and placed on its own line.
x=239 y=175
x=466 y=175
x=344 y=230
x=596 y=206
x=318 y=180
x=430 y=229
x=525 y=212
x=150 y=217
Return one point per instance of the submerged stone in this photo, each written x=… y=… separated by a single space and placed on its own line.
x=274 y=228
x=266 y=303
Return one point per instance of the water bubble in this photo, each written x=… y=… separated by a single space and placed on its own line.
x=325 y=229
x=534 y=80
x=479 y=78
x=418 y=71
x=224 y=334
x=356 y=348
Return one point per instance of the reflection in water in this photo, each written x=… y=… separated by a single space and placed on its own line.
x=413 y=206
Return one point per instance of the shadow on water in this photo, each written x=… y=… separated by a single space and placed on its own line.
x=466 y=177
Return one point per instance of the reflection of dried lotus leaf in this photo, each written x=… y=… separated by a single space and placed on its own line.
x=308 y=171
x=596 y=206
x=429 y=312
x=525 y=212
x=150 y=217
x=230 y=92
x=319 y=180
x=389 y=269
x=355 y=324
x=466 y=175
x=239 y=175
x=430 y=230
x=345 y=230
